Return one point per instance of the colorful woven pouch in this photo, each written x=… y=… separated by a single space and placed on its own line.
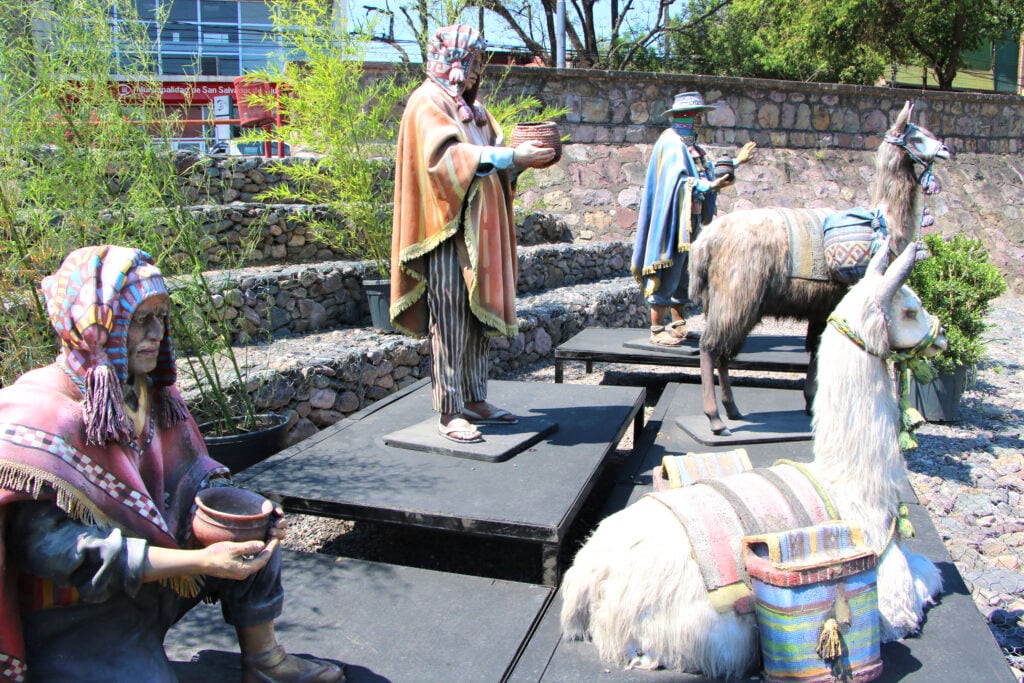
x=816 y=600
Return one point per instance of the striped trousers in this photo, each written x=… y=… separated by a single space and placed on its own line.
x=458 y=364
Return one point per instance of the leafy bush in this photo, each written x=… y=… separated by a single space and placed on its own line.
x=82 y=165
x=957 y=285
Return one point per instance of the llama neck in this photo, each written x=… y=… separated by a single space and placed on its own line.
x=856 y=427
x=898 y=195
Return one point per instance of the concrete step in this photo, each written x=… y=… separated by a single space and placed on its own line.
x=321 y=376
x=261 y=303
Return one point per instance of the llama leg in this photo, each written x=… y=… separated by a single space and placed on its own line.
x=725 y=384
x=707 y=390
x=815 y=328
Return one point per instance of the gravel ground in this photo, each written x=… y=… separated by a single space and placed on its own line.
x=970 y=475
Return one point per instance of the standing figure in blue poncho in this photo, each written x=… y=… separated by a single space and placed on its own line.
x=679 y=196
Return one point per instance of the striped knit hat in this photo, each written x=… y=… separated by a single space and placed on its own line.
x=90 y=301
x=449 y=54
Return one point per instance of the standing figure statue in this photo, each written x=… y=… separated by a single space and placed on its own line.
x=100 y=462
x=680 y=191
x=453 y=254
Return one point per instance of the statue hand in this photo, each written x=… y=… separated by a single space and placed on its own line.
x=229 y=560
x=530 y=155
x=745 y=152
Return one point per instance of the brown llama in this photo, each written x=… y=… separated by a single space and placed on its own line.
x=745 y=265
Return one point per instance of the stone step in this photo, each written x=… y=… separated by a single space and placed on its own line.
x=320 y=377
x=261 y=303
x=283 y=233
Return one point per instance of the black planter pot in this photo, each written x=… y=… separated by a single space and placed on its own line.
x=939 y=400
x=378 y=294
x=238 y=451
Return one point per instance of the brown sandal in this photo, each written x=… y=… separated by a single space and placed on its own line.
x=277 y=666
x=677 y=329
x=662 y=337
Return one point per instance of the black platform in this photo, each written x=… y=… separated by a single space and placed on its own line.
x=776 y=353
x=347 y=471
x=954 y=646
x=386 y=623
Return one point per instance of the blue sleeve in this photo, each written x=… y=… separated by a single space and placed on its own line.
x=97 y=562
x=494 y=158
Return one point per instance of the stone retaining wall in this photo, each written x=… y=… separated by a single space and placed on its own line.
x=320 y=378
x=268 y=302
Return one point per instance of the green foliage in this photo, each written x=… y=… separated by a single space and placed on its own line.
x=80 y=165
x=957 y=285
x=845 y=41
x=331 y=108
x=785 y=39
x=77 y=166
x=508 y=110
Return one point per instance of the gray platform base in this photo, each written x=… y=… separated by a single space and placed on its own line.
x=500 y=442
x=385 y=622
x=689 y=347
x=769 y=416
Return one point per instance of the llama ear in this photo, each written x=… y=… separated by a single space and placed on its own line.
x=903 y=119
x=880 y=259
x=898 y=272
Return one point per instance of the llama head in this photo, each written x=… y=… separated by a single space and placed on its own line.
x=913 y=143
x=885 y=314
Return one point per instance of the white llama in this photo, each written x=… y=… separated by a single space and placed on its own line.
x=636 y=589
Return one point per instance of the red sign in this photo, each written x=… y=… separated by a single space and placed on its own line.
x=177 y=92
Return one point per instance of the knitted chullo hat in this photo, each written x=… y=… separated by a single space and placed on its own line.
x=449 y=54
x=90 y=301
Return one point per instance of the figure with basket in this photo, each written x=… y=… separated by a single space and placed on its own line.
x=680 y=191
x=453 y=256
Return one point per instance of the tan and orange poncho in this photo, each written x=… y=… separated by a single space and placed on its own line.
x=439 y=196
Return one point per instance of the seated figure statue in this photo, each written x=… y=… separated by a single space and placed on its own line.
x=100 y=462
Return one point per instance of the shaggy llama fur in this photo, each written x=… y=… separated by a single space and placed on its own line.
x=739 y=269
x=635 y=588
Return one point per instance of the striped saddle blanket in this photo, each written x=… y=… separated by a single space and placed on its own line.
x=718 y=513
x=806 y=242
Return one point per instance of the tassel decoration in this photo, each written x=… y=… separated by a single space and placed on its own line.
x=830 y=642
x=102 y=407
x=903 y=523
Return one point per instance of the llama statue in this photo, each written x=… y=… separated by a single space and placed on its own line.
x=638 y=588
x=757 y=262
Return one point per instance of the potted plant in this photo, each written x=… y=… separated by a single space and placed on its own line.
x=236 y=435
x=346 y=122
x=957 y=284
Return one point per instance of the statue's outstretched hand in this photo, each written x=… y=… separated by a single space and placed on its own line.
x=228 y=560
x=530 y=155
x=746 y=152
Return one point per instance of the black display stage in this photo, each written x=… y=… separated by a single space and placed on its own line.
x=768 y=415
x=775 y=353
x=955 y=644
x=347 y=470
x=385 y=622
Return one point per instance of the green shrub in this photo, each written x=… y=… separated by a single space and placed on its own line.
x=957 y=285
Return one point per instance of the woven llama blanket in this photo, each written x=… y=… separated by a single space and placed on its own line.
x=806 y=249
x=851 y=238
x=718 y=513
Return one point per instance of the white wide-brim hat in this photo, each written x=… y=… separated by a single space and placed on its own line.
x=688 y=101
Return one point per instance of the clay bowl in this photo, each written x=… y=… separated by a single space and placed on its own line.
x=230 y=514
x=542 y=134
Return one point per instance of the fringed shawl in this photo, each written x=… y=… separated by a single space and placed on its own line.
x=44 y=453
x=439 y=196
x=663 y=225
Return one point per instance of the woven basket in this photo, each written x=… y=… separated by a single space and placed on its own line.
x=542 y=134
x=799 y=578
